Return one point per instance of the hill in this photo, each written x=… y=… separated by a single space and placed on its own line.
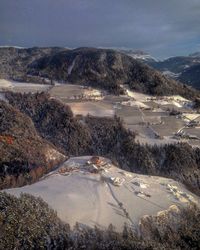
x=97 y=193
x=40 y=226
x=182 y=68
x=176 y=64
x=14 y=61
x=103 y=68
x=24 y=155
x=139 y=55
x=106 y=69
x=191 y=76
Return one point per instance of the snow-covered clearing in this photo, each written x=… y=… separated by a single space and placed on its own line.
x=109 y=195
x=4 y=84
x=92 y=108
x=190 y=117
x=71 y=67
x=22 y=86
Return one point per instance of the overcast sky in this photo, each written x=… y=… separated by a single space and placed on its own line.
x=161 y=27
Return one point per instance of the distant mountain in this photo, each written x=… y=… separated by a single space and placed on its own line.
x=138 y=55
x=182 y=68
x=176 y=64
x=191 y=76
x=196 y=54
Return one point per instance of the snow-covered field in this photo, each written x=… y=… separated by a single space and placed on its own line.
x=22 y=87
x=4 y=84
x=137 y=96
x=66 y=92
x=109 y=195
x=30 y=87
x=93 y=108
x=148 y=114
x=189 y=117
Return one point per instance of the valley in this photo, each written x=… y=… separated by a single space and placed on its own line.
x=156 y=120
x=115 y=145
x=99 y=125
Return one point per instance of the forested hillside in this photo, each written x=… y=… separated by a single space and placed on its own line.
x=41 y=228
x=55 y=122
x=24 y=155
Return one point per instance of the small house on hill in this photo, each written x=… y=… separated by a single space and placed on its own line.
x=95 y=160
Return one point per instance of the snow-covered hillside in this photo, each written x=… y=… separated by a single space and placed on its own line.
x=139 y=55
x=92 y=191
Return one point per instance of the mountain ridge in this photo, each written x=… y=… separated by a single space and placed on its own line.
x=102 y=68
x=182 y=68
x=107 y=69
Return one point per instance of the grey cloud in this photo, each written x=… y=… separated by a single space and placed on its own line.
x=161 y=27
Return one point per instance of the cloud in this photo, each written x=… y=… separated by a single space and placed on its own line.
x=163 y=28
